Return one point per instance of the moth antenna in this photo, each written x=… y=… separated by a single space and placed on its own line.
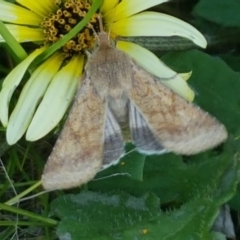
x=102 y=36
x=100 y=20
x=94 y=32
x=111 y=22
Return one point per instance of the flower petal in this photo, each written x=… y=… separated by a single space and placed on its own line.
x=56 y=100
x=15 y=14
x=30 y=96
x=127 y=8
x=157 y=24
x=185 y=76
x=43 y=7
x=152 y=64
x=108 y=5
x=11 y=82
x=24 y=34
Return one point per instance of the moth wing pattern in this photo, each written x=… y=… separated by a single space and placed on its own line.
x=177 y=124
x=78 y=153
x=113 y=141
x=142 y=136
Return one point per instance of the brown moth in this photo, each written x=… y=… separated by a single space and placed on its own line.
x=116 y=92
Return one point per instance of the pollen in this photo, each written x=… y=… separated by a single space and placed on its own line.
x=68 y=14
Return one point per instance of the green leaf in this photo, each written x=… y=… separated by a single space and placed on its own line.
x=161 y=43
x=173 y=180
x=131 y=165
x=90 y=215
x=153 y=178
x=219 y=11
x=232 y=61
x=235 y=201
x=7 y=233
x=218 y=236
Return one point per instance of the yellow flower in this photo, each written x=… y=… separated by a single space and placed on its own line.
x=52 y=85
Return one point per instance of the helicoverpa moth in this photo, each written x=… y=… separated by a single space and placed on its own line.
x=116 y=92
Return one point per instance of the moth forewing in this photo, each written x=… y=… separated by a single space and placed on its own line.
x=177 y=124
x=78 y=152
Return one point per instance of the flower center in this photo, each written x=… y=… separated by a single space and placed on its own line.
x=68 y=14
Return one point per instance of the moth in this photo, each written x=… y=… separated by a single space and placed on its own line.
x=115 y=93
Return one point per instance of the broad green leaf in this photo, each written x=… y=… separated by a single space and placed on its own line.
x=153 y=178
x=224 y=12
x=131 y=166
x=235 y=201
x=233 y=62
x=218 y=236
x=173 y=180
x=92 y=215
